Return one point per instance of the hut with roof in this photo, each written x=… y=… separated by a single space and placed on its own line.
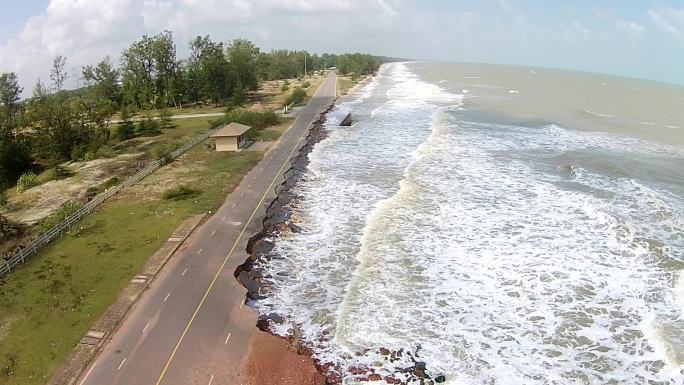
x=231 y=137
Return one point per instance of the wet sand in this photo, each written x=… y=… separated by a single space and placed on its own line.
x=273 y=360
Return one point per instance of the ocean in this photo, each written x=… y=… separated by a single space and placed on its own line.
x=506 y=225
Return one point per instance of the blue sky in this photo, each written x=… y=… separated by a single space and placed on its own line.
x=643 y=39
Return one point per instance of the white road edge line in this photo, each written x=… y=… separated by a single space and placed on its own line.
x=211 y=379
x=167 y=297
x=241 y=303
x=212 y=233
x=227 y=338
x=184 y=271
x=121 y=364
x=145 y=328
x=87 y=374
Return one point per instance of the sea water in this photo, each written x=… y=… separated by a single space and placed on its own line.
x=508 y=225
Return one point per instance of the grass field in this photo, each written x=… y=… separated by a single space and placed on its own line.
x=47 y=305
x=344 y=83
x=272 y=133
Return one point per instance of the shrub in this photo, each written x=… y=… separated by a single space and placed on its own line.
x=64 y=212
x=26 y=181
x=165 y=121
x=88 y=156
x=180 y=193
x=61 y=172
x=297 y=96
x=104 y=152
x=3 y=196
x=258 y=120
x=78 y=153
x=161 y=152
x=306 y=84
x=285 y=86
x=148 y=127
x=111 y=182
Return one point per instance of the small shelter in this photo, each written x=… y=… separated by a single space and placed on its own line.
x=231 y=137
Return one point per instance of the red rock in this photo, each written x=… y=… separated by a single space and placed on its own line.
x=374 y=377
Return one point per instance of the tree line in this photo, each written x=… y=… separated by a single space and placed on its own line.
x=56 y=124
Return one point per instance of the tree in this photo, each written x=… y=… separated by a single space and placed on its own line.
x=165 y=121
x=149 y=71
x=58 y=74
x=209 y=68
x=9 y=96
x=243 y=56
x=103 y=81
x=137 y=66
x=14 y=156
x=163 y=52
x=125 y=129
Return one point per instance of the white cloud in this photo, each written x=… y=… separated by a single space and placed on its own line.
x=670 y=21
x=610 y=29
x=87 y=30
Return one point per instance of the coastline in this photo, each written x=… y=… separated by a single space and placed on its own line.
x=274 y=359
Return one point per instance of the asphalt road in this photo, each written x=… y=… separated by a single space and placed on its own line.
x=190 y=326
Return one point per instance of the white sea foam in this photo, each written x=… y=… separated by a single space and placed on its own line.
x=466 y=238
x=600 y=114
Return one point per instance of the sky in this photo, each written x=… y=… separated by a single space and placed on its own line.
x=636 y=38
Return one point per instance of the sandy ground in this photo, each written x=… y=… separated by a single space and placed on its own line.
x=39 y=202
x=272 y=361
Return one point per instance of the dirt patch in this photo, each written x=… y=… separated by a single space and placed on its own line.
x=184 y=170
x=273 y=361
x=6 y=324
x=39 y=202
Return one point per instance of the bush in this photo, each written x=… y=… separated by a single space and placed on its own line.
x=161 y=152
x=64 y=212
x=257 y=120
x=3 y=196
x=297 y=96
x=104 y=152
x=62 y=172
x=306 y=84
x=148 y=127
x=285 y=86
x=165 y=121
x=78 y=153
x=180 y=193
x=111 y=182
x=26 y=181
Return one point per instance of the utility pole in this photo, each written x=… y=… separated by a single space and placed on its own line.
x=305 y=54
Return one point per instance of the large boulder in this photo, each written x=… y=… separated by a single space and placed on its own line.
x=347 y=121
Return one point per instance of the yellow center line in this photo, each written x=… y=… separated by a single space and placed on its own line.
x=218 y=273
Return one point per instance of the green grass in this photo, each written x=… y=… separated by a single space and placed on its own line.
x=183 y=131
x=52 y=300
x=344 y=84
x=263 y=135
x=180 y=193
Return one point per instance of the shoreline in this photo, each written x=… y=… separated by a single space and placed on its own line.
x=277 y=348
x=274 y=359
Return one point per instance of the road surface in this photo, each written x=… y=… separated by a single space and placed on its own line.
x=189 y=327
